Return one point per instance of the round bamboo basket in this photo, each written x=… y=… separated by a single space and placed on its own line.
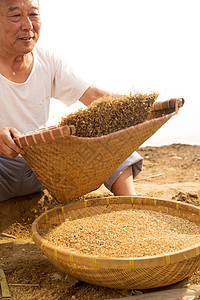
x=121 y=273
x=70 y=167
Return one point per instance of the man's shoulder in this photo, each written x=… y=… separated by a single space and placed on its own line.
x=41 y=51
x=46 y=56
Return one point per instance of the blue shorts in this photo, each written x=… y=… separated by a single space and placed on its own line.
x=18 y=179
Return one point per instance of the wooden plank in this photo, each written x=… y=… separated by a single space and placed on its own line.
x=172 y=294
x=4 y=286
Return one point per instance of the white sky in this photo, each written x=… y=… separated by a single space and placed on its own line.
x=127 y=45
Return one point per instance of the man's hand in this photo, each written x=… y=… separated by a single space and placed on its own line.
x=7 y=145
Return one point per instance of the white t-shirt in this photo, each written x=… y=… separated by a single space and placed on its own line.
x=25 y=106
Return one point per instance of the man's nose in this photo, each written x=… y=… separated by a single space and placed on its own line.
x=26 y=23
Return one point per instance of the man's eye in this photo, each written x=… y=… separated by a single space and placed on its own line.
x=16 y=17
x=34 y=15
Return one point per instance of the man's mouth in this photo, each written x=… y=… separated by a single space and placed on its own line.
x=26 y=38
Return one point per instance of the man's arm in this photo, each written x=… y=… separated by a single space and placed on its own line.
x=93 y=93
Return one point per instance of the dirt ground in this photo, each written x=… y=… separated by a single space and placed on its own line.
x=170 y=172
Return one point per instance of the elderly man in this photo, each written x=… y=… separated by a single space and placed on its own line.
x=29 y=77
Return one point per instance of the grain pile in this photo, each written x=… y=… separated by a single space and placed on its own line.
x=126 y=233
x=110 y=114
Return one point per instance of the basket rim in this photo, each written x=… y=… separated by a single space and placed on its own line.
x=118 y=262
x=53 y=133
x=70 y=130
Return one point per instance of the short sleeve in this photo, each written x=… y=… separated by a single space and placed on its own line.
x=68 y=87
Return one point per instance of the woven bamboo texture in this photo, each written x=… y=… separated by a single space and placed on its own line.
x=121 y=273
x=70 y=167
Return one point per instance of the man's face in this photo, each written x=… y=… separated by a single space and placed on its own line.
x=20 y=26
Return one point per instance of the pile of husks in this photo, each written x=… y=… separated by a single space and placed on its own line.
x=110 y=114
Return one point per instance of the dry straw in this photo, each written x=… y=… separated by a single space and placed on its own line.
x=70 y=166
x=129 y=271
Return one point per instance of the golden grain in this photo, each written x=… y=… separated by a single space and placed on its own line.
x=126 y=233
x=110 y=114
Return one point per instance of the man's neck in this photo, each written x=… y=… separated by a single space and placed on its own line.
x=16 y=68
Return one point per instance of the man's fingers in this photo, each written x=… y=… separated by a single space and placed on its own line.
x=14 y=134
x=7 y=145
x=12 y=147
x=9 y=152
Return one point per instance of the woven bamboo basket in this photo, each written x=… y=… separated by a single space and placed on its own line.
x=121 y=273
x=70 y=167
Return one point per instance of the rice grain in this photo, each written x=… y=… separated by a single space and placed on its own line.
x=110 y=114
x=126 y=233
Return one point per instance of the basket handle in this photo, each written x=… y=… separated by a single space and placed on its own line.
x=160 y=109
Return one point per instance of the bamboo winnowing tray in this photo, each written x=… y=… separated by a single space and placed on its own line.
x=70 y=166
